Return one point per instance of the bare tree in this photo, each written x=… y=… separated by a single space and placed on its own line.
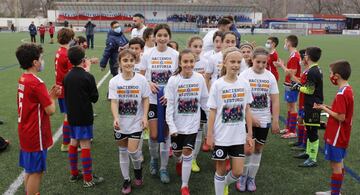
x=315 y=6
x=334 y=6
x=46 y=5
x=353 y=5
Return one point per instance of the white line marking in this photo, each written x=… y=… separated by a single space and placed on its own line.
x=20 y=179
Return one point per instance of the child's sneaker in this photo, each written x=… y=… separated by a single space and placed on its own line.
x=179 y=168
x=126 y=189
x=75 y=178
x=185 y=191
x=64 y=148
x=153 y=166
x=226 y=190
x=289 y=135
x=205 y=147
x=250 y=184
x=241 y=184
x=138 y=177
x=308 y=163
x=164 y=176
x=283 y=131
x=95 y=181
x=194 y=166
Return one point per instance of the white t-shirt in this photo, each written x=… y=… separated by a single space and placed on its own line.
x=201 y=65
x=146 y=48
x=229 y=100
x=214 y=66
x=129 y=93
x=207 y=54
x=185 y=96
x=262 y=86
x=137 y=33
x=159 y=67
x=137 y=66
x=208 y=41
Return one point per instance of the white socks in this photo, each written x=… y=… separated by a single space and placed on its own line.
x=124 y=162
x=246 y=165
x=219 y=182
x=136 y=159
x=186 y=169
x=164 y=153
x=255 y=159
x=198 y=140
x=230 y=178
x=153 y=149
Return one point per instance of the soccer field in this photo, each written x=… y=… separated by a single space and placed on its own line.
x=278 y=172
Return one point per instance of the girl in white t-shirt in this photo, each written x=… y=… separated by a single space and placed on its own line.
x=158 y=64
x=148 y=37
x=186 y=93
x=229 y=103
x=217 y=45
x=129 y=94
x=212 y=71
x=265 y=92
x=195 y=45
x=246 y=50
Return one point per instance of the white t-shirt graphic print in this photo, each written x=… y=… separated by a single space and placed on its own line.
x=229 y=100
x=262 y=86
x=185 y=96
x=129 y=93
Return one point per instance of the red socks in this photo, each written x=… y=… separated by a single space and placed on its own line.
x=336 y=182
x=292 y=122
x=87 y=164
x=66 y=133
x=73 y=158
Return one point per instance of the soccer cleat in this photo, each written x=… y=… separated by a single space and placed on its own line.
x=302 y=155
x=289 y=135
x=250 y=184
x=95 y=181
x=324 y=193
x=138 y=177
x=308 y=163
x=64 y=148
x=185 y=190
x=153 y=166
x=179 y=168
x=241 y=184
x=164 y=176
x=75 y=178
x=226 y=190
x=228 y=165
x=283 y=131
x=298 y=148
x=194 y=166
x=205 y=147
x=126 y=189
x=170 y=153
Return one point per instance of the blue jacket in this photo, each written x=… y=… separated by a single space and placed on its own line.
x=114 y=40
x=238 y=36
x=32 y=29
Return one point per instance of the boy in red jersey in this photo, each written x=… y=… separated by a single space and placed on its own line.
x=291 y=96
x=35 y=105
x=51 y=32
x=271 y=44
x=62 y=67
x=338 y=129
x=42 y=30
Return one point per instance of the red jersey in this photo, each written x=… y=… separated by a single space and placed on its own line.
x=42 y=30
x=51 y=29
x=338 y=133
x=62 y=67
x=293 y=63
x=33 y=122
x=303 y=79
x=273 y=57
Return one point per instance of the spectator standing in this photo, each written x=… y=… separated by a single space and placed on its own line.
x=42 y=30
x=90 y=33
x=33 y=32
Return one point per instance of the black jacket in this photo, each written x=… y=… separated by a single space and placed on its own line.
x=80 y=92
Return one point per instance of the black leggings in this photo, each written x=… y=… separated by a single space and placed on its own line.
x=312 y=133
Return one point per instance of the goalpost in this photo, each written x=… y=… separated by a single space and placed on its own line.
x=296 y=28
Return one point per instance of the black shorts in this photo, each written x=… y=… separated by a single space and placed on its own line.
x=312 y=117
x=153 y=112
x=260 y=134
x=120 y=136
x=222 y=152
x=203 y=118
x=183 y=141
